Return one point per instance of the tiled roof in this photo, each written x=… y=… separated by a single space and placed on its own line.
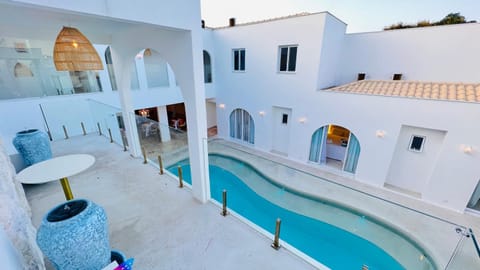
x=466 y=92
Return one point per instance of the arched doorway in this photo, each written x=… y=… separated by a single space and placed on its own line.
x=335 y=146
x=242 y=126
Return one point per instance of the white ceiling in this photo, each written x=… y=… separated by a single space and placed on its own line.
x=18 y=20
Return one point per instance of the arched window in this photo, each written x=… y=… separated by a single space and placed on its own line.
x=336 y=146
x=207 y=67
x=242 y=126
x=156 y=69
x=22 y=70
x=111 y=72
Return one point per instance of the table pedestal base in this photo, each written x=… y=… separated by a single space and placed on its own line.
x=66 y=188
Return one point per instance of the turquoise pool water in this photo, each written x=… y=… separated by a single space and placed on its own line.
x=330 y=245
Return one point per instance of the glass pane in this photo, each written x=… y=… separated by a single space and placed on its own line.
x=246 y=126
x=232 y=124
x=238 y=124
x=416 y=143
x=252 y=130
x=85 y=81
x=283 y=59
x=235 y=60
x=27 y=70
x=207 y=68
x=292 y=59
x=474 y=202
x=155 y=70
x=111 y=71
x=242 y=59
x=134 y=77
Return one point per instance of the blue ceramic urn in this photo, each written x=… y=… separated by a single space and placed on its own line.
x=33 y=145
x=74 y=235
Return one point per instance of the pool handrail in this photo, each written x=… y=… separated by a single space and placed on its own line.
x=475 y=243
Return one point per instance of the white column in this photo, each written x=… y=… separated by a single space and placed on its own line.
x=122 y=62
x=190 y=78
x=163 y=123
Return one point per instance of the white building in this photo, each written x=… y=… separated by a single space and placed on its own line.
x=287 y=104
x=286 y=86
x=281 y=86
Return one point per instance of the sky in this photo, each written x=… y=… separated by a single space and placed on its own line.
x=360 y=15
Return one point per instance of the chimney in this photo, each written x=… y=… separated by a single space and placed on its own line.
x=203 y=23
x=232 y=22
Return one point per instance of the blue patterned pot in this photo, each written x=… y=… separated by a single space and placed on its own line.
x=33 y=145
x=74 y=235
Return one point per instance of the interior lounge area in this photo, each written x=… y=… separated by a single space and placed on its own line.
x=176 y=116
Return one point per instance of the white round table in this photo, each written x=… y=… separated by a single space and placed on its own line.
x=58 y=168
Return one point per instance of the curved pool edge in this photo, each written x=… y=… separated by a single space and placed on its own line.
x=406 y=234
x=270 y=236
x=294 y=251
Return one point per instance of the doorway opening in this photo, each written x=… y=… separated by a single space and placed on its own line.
x=336 y=147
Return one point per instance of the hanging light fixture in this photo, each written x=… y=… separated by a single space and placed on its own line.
x=74 y=52
x=148 y=52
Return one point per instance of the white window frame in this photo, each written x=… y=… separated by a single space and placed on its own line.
x=239 y=60
x=411 y=141
x=288 y=58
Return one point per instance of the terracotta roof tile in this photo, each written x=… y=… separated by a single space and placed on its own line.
x=466 y=92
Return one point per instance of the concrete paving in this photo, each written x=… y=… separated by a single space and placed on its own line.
x=154 y=221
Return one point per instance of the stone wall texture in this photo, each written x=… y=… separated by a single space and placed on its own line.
x=15 y=215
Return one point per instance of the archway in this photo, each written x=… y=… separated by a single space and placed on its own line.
x=182 y=51
x=242 y=126
x=161 y=119
x=335 y=146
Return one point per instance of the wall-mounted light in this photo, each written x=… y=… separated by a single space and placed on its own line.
x=261 y=113
x=221 y=106
x=467 y=149
x=302 y=120
x=380 y=133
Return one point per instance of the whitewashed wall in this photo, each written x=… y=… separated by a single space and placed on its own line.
x=327 y=57
x=261 y=86
x=442 y=54
x=209 y=45
x=211 y=114
x=454 y=174
x=180 y=13
x=331 y=52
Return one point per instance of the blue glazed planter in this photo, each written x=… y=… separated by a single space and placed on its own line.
x=74 y=235
x=33 y=145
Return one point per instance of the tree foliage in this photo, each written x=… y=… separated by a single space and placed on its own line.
x=451 y=18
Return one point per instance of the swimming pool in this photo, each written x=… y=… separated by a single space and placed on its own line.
x=253 y=196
